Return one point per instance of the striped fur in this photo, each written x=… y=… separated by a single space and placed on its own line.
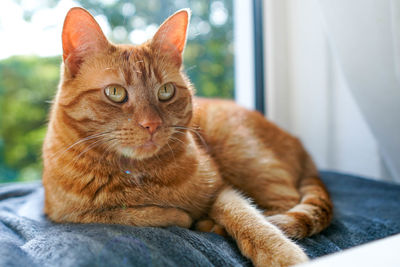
x=206 y=162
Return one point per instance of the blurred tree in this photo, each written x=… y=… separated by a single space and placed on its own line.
x=27 y=84
x=209 y=51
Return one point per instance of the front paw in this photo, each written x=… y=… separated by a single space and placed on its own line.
x=279 y=252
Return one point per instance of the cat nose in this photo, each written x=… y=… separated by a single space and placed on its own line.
x=151 y=126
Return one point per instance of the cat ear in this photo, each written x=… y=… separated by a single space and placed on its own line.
x=171 y=36
x=81 y=35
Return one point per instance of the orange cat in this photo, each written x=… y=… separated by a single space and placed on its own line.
x=127 y=144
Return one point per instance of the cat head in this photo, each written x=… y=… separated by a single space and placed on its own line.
x=133 y=98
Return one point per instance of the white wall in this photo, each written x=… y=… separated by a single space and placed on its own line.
x=308 y=93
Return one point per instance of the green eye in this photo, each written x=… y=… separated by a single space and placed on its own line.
x=166 y=91
x=115 y=93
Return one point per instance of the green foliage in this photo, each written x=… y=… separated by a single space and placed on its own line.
x=28 y=84
x=208 y=55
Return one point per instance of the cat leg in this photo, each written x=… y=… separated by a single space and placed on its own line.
x=257 y=239
x=298 y=211
x=276 y=198
x=139 y=216
x=273 y=187
x=313 y=211
x=311 y=215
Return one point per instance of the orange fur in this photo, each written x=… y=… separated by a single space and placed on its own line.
x=148 y=162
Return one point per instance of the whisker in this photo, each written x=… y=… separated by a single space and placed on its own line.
x=158 y=157
x=107 y=150
x=91 y=146
x=87 y=138
x=193 y=130
x=173 y=155
x=190 y=68
x=177 y=139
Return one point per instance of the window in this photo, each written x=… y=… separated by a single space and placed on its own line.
x=30 y=60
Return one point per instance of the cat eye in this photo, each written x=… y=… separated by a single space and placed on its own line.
x=116 y=93
x=166 y=91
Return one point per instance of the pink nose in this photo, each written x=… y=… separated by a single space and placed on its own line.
x=150 y=126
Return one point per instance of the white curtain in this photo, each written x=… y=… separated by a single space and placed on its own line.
x=365 y=38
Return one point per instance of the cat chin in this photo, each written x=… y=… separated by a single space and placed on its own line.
x=139 y=152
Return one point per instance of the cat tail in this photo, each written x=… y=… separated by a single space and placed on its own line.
x=315 y=210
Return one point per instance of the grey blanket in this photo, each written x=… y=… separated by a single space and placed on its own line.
x=365 y=210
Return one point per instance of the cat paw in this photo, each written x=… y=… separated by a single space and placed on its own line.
x=209 y=226
x=288 y=225
x=278 y=253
